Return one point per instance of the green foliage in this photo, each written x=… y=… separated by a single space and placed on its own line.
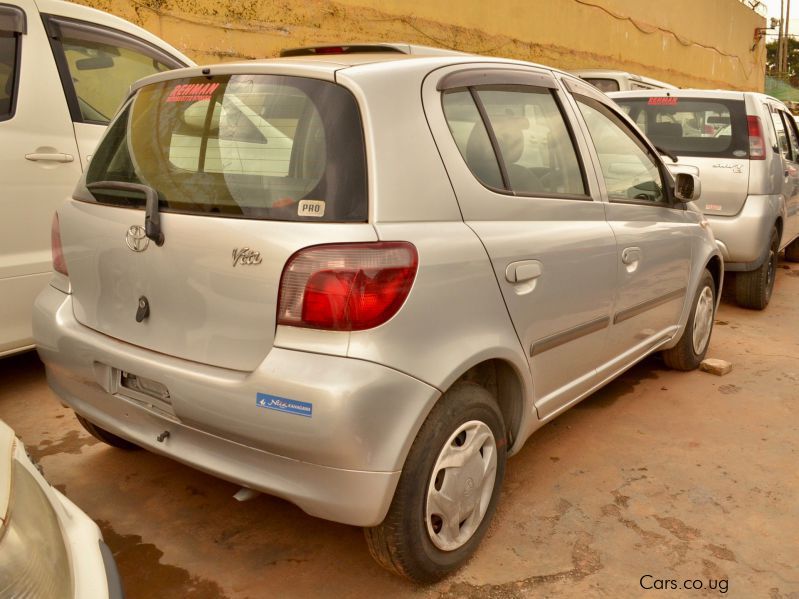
x=793 y=59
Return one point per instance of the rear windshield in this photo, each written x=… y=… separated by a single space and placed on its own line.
x=605 y=85
x=692 y=126
x=248 y=146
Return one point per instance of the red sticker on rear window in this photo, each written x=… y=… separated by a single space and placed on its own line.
x=192 y=92
x=662 y=101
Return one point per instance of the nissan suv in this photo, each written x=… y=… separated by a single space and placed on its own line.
x=745 y=146
x=359 y=278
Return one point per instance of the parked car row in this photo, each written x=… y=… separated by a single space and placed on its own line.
x=745 y=148
x=360 y=277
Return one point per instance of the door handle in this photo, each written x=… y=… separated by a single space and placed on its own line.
x=630 y=255
x=54 y=157
x=526 y=270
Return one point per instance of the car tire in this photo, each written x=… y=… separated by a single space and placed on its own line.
x=414 y=540
x=753 y=288
x=792 y=251
x=692 y=346
x=103 y=435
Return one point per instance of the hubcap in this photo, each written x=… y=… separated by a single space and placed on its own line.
x=703 y=320
x=461 y=485
x=772 y=269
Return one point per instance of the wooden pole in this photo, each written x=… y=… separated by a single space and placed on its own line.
x=787 y=36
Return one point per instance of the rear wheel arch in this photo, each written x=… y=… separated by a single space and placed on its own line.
x=715 y=268
x=505 y=384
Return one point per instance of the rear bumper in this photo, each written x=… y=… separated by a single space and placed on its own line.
x=743 y=239
x=340 y=462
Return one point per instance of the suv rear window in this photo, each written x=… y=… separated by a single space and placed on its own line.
x=605 y=85
x=249 y=146
x=692 y=126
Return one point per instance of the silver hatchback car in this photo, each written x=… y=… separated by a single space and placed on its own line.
x=360 y=278
x=745 y=148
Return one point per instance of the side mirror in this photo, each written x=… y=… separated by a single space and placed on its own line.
x=687 y=187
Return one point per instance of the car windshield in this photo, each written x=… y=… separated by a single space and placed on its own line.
x=250 y=146
x=692 y=126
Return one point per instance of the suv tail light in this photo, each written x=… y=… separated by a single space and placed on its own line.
x=347 y=286
x=757 y=145
x=59 y=264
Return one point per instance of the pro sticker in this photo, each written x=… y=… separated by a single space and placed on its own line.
x=311 y=208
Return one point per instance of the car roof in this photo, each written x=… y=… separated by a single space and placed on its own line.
x=71 y=10
x=720 y=94
x=615 y=74
x=325 y=66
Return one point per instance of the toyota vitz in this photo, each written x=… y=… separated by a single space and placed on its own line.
x=359 y=278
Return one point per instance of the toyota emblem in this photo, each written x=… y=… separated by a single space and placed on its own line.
x=137 y=239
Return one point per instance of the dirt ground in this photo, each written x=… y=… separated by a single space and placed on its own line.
x=660 y=476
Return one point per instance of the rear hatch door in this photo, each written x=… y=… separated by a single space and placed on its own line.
x=709 y=134
x=248 y=169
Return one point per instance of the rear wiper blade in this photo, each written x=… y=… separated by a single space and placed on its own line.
x=668 y=153
x=152 y=218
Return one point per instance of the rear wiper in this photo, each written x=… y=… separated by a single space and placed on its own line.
x=152 y=218
x=671 y=155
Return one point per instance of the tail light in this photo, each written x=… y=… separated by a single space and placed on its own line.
x=757 y=145
x=346 y=287
x=59 y=264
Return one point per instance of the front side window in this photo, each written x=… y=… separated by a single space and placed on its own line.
x=782 y=135
x=629 y=170
x=790 y=128
x=12 y=24
x=785 y=130
x=252 y=146
x=524 y=147
x=101 y=66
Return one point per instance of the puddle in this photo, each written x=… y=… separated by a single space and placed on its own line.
x=141 y=570
x=625 y=384
x=73 y=442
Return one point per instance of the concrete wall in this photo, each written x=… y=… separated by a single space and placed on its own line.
x=696 y=43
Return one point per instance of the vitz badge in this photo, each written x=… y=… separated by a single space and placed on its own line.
x=245 y=256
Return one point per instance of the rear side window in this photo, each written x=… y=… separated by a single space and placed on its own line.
x=12 y=26
x=692 y=126
x=98 y=66
x=251 y=146
x=523 y=145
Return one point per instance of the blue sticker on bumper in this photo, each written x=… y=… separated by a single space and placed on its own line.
x=281 y=404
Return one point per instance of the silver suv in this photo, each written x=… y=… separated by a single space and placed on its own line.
x=746 y=148
x=360 y=280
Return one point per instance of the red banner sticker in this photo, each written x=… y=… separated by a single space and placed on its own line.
x=192 y=92
x=662 y=101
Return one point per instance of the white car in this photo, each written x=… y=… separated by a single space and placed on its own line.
x=64 y=69
x=49 y=549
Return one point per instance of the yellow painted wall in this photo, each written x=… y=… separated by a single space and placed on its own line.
x=690 y=43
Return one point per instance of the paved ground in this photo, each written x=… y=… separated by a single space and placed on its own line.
x=661 y=475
